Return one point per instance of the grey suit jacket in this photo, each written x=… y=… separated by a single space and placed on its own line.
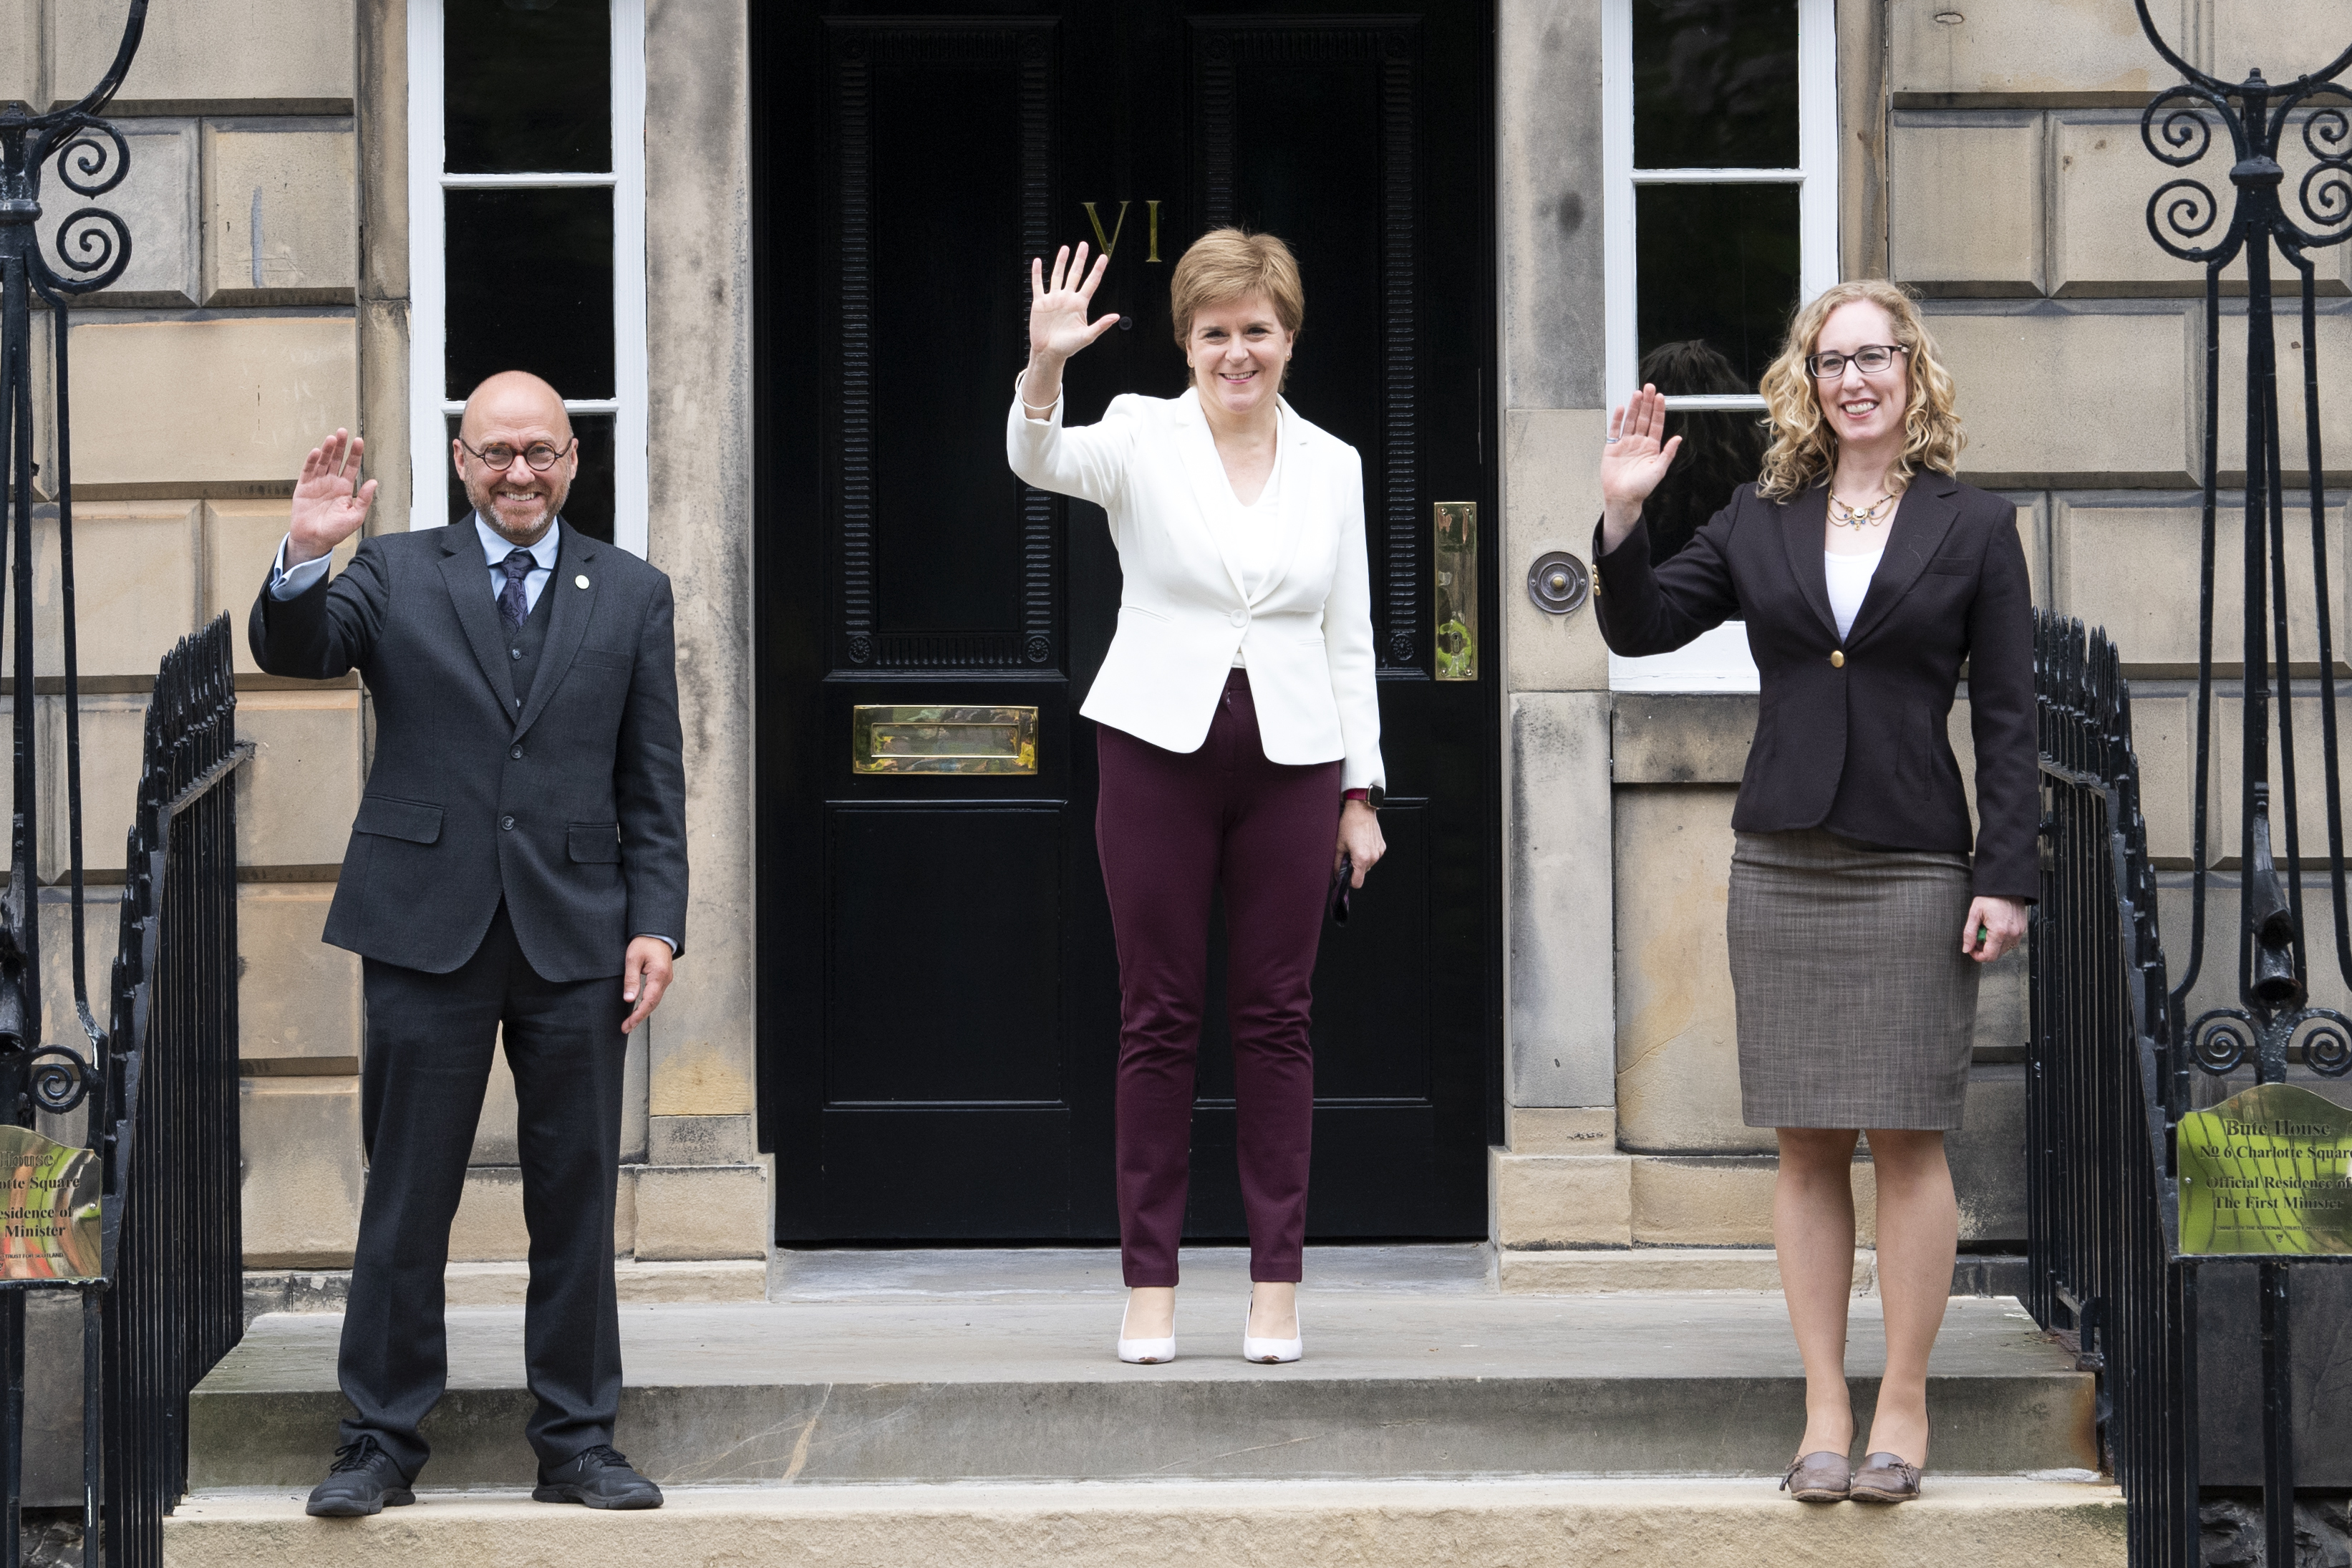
x=572 y=806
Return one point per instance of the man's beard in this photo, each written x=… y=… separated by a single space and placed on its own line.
x=483 y=503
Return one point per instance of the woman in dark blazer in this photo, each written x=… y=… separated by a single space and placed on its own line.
x=1868 y=576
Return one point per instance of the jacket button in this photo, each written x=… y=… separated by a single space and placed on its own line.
x=515 y=651
x=505 y=824
x=515 y=753
x=1239 y=618
x=1837 y=658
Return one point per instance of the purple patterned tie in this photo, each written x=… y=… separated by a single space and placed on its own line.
x=512 y=606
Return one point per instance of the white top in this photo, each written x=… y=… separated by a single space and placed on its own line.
x=1249 y=535
x=1153 y=466
x=1849 y=580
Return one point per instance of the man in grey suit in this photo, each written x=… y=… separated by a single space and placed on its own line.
x=517 y=865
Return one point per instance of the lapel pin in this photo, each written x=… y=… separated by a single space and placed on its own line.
x=581 y=580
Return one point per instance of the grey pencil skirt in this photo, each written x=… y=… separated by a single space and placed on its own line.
x=1856 y=1006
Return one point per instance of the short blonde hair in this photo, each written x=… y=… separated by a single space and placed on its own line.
x=1804 y=448
x=1227 y=264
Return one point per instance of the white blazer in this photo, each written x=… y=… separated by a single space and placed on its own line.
x=1307 y=637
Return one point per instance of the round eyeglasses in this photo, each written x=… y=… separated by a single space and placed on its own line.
x=540 y=455
x=1869 y=359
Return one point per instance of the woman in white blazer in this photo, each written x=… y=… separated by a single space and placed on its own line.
x=1238 y=730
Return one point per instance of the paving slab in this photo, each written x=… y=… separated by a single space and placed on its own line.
x=945 y=1388
x=1959 y=1524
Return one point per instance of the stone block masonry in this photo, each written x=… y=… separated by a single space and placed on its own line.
x=267 y=304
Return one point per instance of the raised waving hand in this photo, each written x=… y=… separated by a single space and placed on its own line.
x=1058 y=327
x=1633 y=460
x=329 y=503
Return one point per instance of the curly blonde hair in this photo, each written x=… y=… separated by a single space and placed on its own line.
x=1804 y=448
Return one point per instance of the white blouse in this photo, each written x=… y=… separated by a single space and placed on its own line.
x=1248 y=534
x=1849 y=578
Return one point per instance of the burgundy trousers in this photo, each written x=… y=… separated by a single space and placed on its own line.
x=1170 y=827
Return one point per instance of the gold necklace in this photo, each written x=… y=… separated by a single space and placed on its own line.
x=1844 y=516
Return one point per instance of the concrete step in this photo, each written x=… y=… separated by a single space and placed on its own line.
x=927 y=1368
x=1957 y=1523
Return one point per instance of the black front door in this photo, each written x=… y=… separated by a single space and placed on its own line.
x=938 y=1013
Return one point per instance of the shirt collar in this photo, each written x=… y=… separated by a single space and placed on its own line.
x=495 y=550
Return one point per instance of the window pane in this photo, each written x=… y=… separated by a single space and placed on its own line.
x=1722 y=448
x=530 y=287
x=1718 y=264
x=528 y=86
x=589 y=507
x=1715 y=84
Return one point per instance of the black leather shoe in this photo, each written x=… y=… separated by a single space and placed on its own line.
x=600 y=1478
x=362 y=1480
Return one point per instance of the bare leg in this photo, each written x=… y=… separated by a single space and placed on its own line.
x=1812 y=1232
x=1918 y=1234
x=1274 y=1311
x=1151 y=1313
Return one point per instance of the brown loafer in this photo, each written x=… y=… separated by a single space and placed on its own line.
x=1885 y=1478
x=1818 y=1478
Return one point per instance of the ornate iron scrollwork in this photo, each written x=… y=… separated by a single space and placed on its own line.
x=2224 y=1040
x=60 y=1079
x=2327 y=1036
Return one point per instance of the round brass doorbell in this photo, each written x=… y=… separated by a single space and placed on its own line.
x=1559 y=582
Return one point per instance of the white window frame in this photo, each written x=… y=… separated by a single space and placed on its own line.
x=1719 y=660
x=428 y=316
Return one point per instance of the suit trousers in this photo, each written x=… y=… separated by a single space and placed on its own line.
x=429 y=1040
x=1172 y=827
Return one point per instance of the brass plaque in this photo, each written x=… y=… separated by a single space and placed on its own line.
x=2267 y=1171
x=915 y=739
x=1456 y=599
x=50 y=1230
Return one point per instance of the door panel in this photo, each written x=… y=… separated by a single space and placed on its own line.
x=935 y=1001
x=938 y=1011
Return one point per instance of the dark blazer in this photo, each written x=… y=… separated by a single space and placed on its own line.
x=1859 y=745
x=571 y=807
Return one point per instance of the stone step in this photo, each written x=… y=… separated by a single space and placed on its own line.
x=1566 y=1270
x=891 y=1378
x=1957 y=1523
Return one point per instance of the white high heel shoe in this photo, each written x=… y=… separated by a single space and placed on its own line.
x=1143 y=1352
x=1269 y=1351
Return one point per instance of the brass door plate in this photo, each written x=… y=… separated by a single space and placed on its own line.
x=1456 y=594
x=53 y=1218
x=943 y=740
x=2268 y=1172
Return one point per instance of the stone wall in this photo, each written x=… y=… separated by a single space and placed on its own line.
x=267 y=304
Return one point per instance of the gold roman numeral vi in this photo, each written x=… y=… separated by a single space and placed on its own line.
x=1108 y=243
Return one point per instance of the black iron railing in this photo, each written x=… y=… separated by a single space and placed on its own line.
x=2269 y=222
x=2103 y=1085
x=166 y=1103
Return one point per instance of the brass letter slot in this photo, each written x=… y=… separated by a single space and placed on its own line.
x=885 y=739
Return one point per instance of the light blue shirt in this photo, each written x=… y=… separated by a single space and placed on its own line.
x=286 y=583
